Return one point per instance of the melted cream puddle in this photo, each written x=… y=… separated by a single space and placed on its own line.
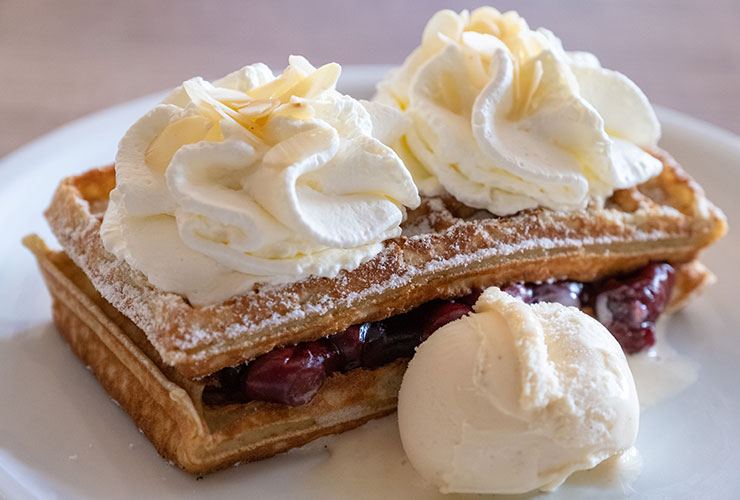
x=661 y=372
x=367 y=463
x=615 y=473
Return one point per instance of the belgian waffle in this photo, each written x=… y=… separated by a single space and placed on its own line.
x=152 y=350
x=446 y=250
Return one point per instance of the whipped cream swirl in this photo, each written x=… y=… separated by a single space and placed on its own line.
x=504 y=119
x=254 y=179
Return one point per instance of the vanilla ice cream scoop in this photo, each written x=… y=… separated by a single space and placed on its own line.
x=515 y=398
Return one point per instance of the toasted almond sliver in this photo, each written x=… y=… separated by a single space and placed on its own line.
x=297 y=110
x=258 y=108
x=314 y=84
x=188 y=130
x=278 y=86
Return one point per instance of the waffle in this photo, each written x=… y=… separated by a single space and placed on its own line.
x=168 y=407
x=154 y=352
x=446 y=250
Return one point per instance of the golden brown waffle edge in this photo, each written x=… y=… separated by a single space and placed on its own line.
x=168 y=407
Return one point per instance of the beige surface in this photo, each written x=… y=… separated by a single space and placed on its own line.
x=60 y=60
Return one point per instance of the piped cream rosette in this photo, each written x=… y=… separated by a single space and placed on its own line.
x=504 y=119
x=254 y=179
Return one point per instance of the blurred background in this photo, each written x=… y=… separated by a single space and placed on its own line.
x=60 y=60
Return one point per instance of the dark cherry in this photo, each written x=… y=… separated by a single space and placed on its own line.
x=373 y=345
x=656 y=282
x=589 y=292
x=290 y=375
x=293 y=375
x=633 y=338
x=520 y=291
x=349 y=346
x=332 y=358
x=229 y=389
x=441 y=313
x=231 y=378
x=471 y=298
x=386 y=341
x=567 y=293
x=628 y=307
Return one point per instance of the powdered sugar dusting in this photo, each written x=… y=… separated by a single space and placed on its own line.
x=439 y=237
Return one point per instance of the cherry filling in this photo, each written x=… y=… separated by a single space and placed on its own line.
x=630 y=306
x=627 y=305
x=299 y=370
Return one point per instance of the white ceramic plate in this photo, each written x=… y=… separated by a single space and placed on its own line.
x=61 y=436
